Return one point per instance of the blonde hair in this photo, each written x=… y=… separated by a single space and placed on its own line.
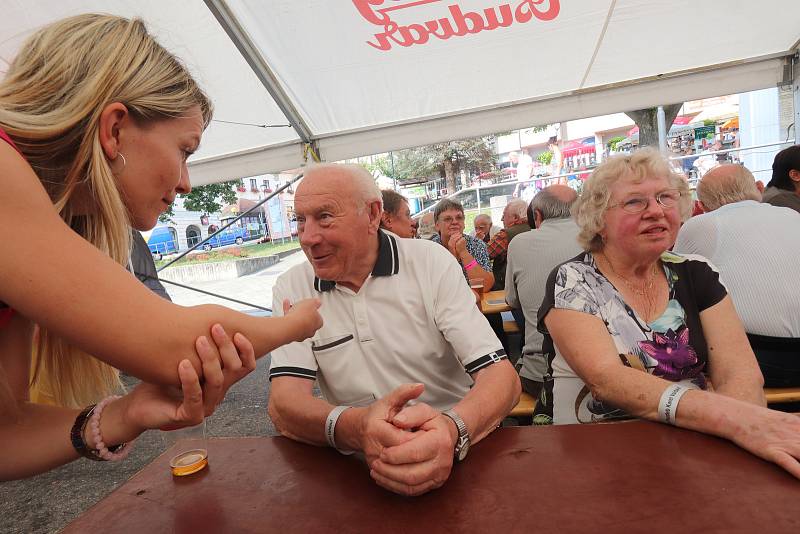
x=727 y=184
x=51 y=100
x=646 y=163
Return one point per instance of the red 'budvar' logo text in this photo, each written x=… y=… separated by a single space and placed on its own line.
x=456 y=23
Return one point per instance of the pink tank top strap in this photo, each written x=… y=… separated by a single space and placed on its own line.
x=5 y=316
x=4 y=136
x=6 y=313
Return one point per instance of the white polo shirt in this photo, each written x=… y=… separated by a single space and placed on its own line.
x=413 y=320
x=756 y=248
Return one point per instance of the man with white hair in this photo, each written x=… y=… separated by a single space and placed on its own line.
x=531 y=257
x=756 y=247
x=483 y=227
x=515 y=222
x=400 y=325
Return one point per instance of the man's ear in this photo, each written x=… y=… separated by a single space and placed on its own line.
x=538 y=218
x=794 y=174
x=113 y=119
x=375 y=213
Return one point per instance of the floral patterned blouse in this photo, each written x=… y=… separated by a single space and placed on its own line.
x=671 y=347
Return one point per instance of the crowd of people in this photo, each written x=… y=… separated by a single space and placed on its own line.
x=628 y=307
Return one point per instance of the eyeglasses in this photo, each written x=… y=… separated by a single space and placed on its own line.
x=449 y=219
x=665 y=199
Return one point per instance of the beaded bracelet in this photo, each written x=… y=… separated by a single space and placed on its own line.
x=76 y=434
x=120 y=452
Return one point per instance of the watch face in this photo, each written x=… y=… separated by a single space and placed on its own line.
x=463 y=450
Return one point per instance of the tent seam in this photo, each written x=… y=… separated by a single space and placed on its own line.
x=599 y=42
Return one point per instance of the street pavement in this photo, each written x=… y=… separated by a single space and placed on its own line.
x=46 y=503
x=254 y=288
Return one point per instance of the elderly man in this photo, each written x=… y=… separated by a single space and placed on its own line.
x=426 y=228
x=469 y=251
x=396 y=216
x=400 y=325
x=784 y=188
x=755 y=246
x=531 y=257
x=515 y=222
x=484 y=229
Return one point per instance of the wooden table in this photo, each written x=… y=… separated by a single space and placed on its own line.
x=494 y=302
x=625 y=477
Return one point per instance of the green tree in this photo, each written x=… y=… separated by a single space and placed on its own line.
x=206 y=199
x=545 y=157
x=448 y=159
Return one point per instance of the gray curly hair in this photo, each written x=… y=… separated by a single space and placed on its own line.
x=590 y=207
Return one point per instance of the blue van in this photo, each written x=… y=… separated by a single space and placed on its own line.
x=229 y=236
x=161 y=242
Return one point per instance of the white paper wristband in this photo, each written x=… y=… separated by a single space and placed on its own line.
x=330 y=426
x=668 y=405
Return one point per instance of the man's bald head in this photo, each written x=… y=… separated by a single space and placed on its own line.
x=353 y=182
x=563 y=193
x=482 y=218
x=553 y=202
x=726 y=184
x=338 y=210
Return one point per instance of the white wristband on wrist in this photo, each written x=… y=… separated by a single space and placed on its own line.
x=330 y=427
x=668 y=405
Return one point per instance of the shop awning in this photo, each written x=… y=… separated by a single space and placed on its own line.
x=577 y=147
x=367 y=76
x=718 y=113
x=730 y=124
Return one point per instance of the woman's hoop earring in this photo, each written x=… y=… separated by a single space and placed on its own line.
x=124 y=161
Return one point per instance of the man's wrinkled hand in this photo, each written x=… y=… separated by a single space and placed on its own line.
x=422 y=463
x=377 y=430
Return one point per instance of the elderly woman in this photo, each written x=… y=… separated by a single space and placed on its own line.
x=632 y=329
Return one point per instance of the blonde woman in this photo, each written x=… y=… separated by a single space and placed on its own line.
x=96 y=123
x=632 y=329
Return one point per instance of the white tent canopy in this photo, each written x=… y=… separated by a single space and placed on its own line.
x=356 y=77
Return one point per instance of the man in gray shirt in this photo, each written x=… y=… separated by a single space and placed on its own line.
x=531 y=257
x=784 y=188
x=143 y=266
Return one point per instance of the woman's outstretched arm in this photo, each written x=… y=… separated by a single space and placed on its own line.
x=56 y=278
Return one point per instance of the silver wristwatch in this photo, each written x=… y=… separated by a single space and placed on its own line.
x=462 y=443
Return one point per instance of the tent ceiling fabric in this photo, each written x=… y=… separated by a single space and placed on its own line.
x=368 y=76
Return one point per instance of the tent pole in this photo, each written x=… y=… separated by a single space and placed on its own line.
x=796 y=91
x=662 y=129
x=257 y=62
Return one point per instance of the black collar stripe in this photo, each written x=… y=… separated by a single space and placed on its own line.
x=387 y=264
x=395 y=257
x=384 y=265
